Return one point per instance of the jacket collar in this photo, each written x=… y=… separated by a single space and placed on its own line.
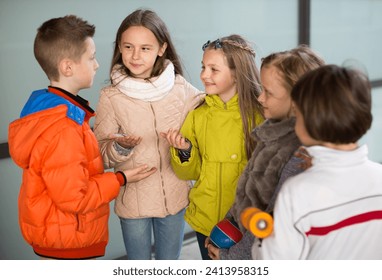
x=74 y=99
x=272 y=130
x=213 y=100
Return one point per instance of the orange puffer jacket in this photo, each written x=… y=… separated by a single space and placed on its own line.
x=65 y=194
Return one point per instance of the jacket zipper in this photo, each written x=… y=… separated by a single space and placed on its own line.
x=220 y=191
x=160 y=161
x=220 y=183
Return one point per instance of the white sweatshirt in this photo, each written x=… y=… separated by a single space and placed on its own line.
x=333 y=210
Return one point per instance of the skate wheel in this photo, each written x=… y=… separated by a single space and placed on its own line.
x=258 y=222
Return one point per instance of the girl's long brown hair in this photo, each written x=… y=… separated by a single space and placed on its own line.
x=155 y=24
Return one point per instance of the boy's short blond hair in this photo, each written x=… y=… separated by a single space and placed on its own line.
x=61 y=38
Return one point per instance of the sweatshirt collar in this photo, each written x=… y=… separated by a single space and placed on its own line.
x=324 y=156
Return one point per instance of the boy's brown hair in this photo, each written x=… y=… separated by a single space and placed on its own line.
x=60 y=38
x=335 y=103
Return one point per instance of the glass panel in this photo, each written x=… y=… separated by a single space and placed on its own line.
x=349 y=32
x=271 y=25
x=374 y=136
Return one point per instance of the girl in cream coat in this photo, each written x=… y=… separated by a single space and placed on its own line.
x=148 y=95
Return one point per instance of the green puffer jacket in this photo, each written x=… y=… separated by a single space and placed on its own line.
x=217 y=159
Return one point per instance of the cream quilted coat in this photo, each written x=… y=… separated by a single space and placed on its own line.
x=162 y=193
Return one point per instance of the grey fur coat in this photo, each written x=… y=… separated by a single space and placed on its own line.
x=276 y=143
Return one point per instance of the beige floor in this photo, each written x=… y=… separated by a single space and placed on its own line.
x=190 y=250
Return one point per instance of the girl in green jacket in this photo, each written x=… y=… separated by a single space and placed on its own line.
x=214 y=143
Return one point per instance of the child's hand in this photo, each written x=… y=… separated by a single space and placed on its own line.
x=213 y=252
x=175 y=139
x=138 y=173
x=126 y=141
x=303 y=154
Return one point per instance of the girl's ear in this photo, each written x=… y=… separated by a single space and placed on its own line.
x=162 y=49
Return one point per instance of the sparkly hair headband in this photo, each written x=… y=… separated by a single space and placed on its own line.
x=218 y=44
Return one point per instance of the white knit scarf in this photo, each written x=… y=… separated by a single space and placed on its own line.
x=145 y=90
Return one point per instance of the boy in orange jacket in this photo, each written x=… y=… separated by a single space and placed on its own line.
x=65 y=193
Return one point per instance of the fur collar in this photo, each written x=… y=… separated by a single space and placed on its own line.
x=276 y=143
x=271 y=130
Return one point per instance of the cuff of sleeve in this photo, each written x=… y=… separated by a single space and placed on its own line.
x=121 y=150
x=121 y=178
x=184 y=155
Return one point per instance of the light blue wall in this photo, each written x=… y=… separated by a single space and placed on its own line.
x=349 y=33
x=191 y=24
x=270 y=24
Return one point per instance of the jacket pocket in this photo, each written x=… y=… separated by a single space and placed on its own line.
x=81 y=220
x=191 y=209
